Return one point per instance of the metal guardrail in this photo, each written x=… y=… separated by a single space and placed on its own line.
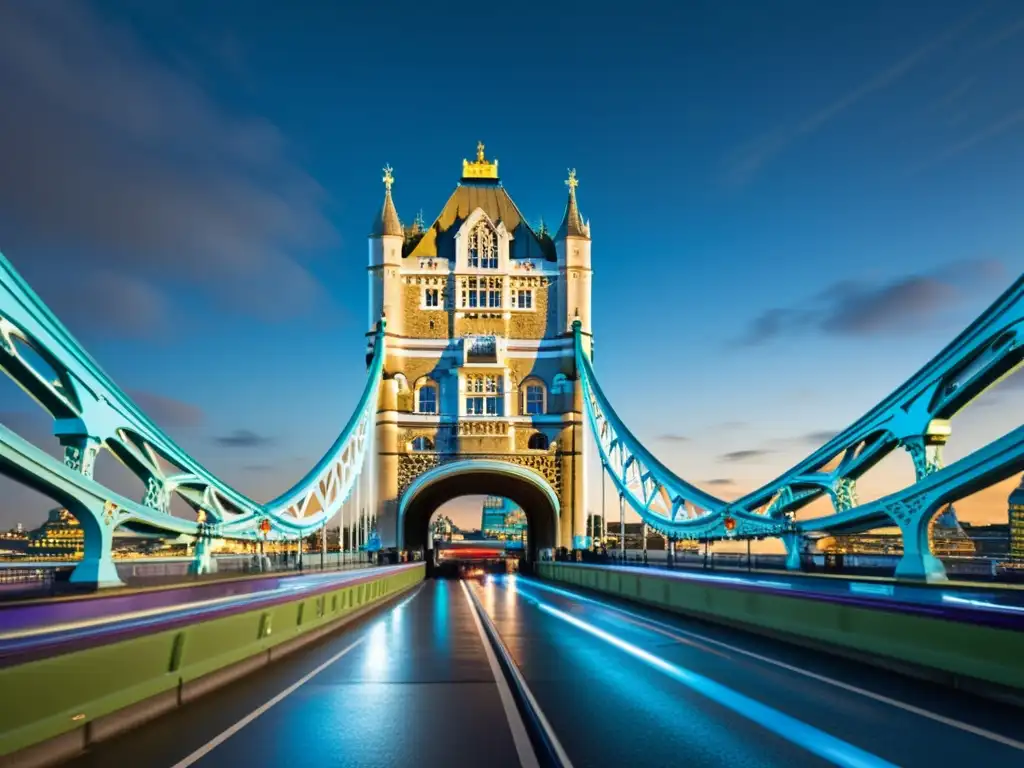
x=22 y=580
x=998 y=570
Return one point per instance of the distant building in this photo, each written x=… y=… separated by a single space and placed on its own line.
x=1016 y=518
x=655 y=541
x=948 y=538
x=60 y=536
x=502 y=519
x=13 y=542
x=992 y=541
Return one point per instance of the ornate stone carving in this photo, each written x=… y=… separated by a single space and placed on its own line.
x=482 y=428
x=412 y=465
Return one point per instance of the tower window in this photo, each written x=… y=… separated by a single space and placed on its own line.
x=538 y=442
x=534 y=399
x=422 y=444
x=483 y=247
x=426 y=399
x=431 y=297
x=522 y=299
x=482 y=293
x=483 y=396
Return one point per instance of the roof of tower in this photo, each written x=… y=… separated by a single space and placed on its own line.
x=387 y=222
x=572 y=222
x=480 y=187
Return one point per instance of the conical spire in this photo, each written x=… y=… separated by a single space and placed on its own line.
x=387 y=221
x=572 y=222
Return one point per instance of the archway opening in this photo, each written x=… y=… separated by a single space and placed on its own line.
x=525 y=502
x=477 y=535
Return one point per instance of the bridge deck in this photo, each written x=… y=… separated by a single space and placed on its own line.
x=411 y=686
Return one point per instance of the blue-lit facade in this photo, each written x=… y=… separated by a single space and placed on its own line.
x=1017 y=524
x=501 y=519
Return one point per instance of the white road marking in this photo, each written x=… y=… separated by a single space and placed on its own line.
x=227 y=734
x=216 y=741
x=549 y=731
x=520 y=737
x=679 y=634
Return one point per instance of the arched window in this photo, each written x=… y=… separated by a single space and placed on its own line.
x=422 y=443
x=426 y=399
x=483 y=247
x=538 y=442
x=533 y=400
x=403 y=383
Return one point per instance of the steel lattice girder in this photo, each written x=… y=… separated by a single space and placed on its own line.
x=990 y=349
x=90 y=410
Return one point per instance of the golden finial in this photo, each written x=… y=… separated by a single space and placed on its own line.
x=572 y=182
x=389 y=178
x=482 y=168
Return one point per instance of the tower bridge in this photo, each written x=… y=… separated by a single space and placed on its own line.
x=481 y=380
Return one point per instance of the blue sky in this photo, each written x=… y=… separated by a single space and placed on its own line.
x=190 y=185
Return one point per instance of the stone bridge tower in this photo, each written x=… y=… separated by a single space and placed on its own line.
x=480 y=393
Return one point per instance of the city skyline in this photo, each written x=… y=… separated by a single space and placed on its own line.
x=808 y=236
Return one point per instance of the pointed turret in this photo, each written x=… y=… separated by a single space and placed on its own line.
x=386 y=240
x=387 y=221
x=572 y=223
x=572 y=245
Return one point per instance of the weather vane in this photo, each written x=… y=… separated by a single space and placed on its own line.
x=389 y=178
x=480 y=152
x=572 y=182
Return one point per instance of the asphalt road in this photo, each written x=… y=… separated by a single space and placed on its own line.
x=413 y=685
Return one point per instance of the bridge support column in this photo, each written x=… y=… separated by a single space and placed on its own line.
x=917 y=563
x=96 y=568
x=202 y=558
x=793 y=541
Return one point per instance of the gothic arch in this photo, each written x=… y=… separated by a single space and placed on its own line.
x=481 y=477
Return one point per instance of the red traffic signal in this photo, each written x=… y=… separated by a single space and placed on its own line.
x=264 y=526
x=730 y=523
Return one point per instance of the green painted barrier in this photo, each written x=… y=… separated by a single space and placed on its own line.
x=988 y=660
x=63 y=703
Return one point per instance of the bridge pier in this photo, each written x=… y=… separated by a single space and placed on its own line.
x=917 y=563
x=96 y=568
x=202 y=558
x=792 y=541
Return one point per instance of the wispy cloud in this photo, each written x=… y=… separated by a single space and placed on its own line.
x=243 y=438
x=855 y=308
x=997 y=128
x=115 y=160
x=673 y=438
x=741 y=456
x=820 y=437
x=720 y=481
x=748 y=160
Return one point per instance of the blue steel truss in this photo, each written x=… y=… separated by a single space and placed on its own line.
x=91 y=414
x=915 y=417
